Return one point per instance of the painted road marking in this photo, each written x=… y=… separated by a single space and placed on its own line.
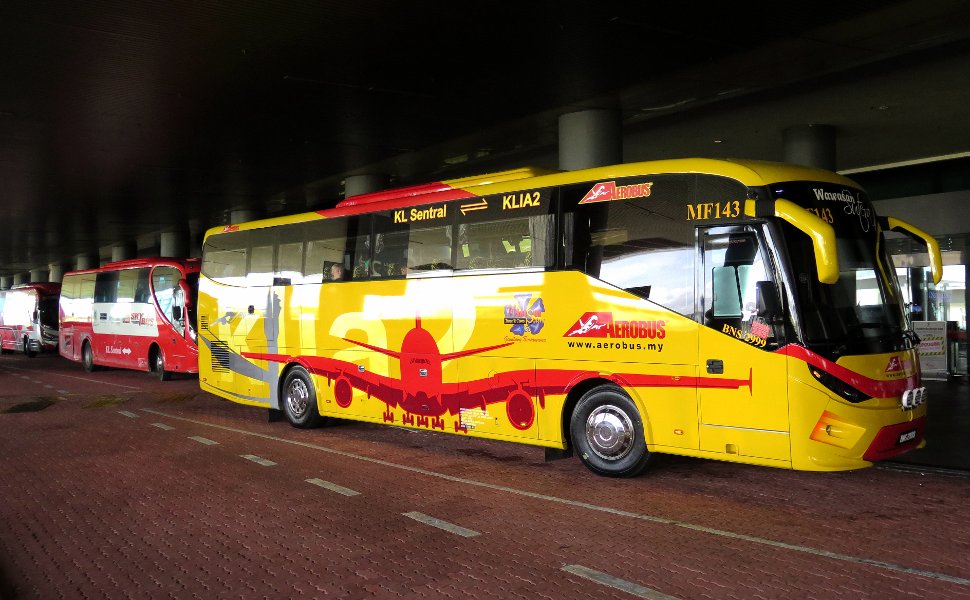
x=128 y=413
x=616 y=583
x=97 y=381
x=163 y=426
x=445 y=525
x=203 y=440
x=258 y=460
x=333 y=487
x=888 y=566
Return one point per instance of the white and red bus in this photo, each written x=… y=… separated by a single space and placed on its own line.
x=28 y=318
x=134 y=314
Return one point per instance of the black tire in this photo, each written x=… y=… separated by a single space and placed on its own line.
x=298 y=399
x=157 y=359
x=28 y=352
x=87 y=358
x=607 y=433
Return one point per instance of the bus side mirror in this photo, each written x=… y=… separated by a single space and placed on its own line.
x=766 y=298
x=186 y=294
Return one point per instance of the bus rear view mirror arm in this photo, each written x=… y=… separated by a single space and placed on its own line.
x=932 y=246
x=821 y=233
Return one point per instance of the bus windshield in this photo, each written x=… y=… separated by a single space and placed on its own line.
x=862 y=312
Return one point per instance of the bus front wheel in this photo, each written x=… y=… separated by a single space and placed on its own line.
x=607 y=433
x=157 y=361
x=299 y=402
x=28 y=351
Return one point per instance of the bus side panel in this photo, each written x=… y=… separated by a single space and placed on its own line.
x=385 y=340
x=598 y=330
x=557 y=330
x=749 y=419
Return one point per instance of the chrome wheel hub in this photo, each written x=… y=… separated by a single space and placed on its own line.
x=297 y=397
x=610 y=432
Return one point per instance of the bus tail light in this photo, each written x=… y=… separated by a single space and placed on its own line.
x=839 y=387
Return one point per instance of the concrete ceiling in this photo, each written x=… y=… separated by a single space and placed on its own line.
x=123 y=118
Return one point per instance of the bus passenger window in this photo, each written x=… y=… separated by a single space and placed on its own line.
x=512 y=243
x=326 y=246
x=429 y=249
x=390 y=248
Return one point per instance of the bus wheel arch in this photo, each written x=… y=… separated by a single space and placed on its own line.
x=298 y=398
x=606 y=430
x=156 y=363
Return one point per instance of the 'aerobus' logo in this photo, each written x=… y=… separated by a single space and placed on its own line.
x=608 y=191
x=602 y=325
x=894 y=365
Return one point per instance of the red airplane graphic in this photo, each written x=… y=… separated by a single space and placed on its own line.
x=424 y=397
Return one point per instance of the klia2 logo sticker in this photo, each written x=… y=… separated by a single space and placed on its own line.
x=523 y=316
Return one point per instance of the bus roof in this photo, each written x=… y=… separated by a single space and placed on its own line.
x=43 y=288
x=751 y=173
x=188 y=265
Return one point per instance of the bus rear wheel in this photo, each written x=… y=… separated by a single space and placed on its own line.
x=87 y=358
x=607 y=433
x=157 y=360
x=299 y=402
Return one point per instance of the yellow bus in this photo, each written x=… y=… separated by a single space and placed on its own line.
x=740 y=311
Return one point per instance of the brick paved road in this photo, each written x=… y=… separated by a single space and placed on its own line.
x=114 y=485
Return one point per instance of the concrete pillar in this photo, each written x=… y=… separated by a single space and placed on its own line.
x=242 y=215
x=39 y=275
x=197 y=231
x=55 y=272
x=5 y=283
x=19 y=278
x=590 y=138
x=810 y=145
x=122 y=251
x=86 y=261
x=355 y=185
x=174 y=243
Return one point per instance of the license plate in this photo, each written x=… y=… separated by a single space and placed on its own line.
x=909 y=436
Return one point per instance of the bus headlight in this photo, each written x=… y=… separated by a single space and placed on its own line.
x=837 y=386
x=913 y=398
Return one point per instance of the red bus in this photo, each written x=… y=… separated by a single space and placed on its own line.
x=134 y=314
x=28 y=318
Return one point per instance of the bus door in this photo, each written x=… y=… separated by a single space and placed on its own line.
x=742 y=383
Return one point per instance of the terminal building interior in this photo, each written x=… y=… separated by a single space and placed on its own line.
x=127 y=129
